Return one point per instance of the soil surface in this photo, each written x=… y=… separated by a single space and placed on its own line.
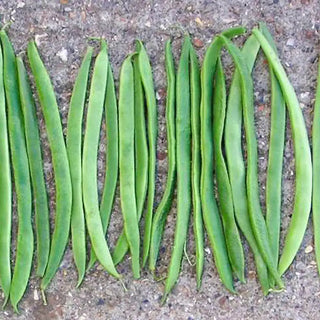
x=61 y=29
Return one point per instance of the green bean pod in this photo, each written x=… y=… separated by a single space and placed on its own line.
x=183 y=151
x=210 y=211
x=112 y=161
x=195 y=95
x=152 y=130
x=62 y=178
x=316 y=170
x=234 y=156
x=164 y=206
x=89 y=161
x=141 y=159
x=127 y=162
x=36 y=168
x=275 y=158
x=302 y=201
x=5 y=194
x=256 y=218
x=74 y=149
x=233 y=241
x=21 y=174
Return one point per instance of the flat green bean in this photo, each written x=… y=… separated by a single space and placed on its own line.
x=234 y=156
x=195 y=95
x=164 y=206
x=275 y=158
x=112 y=161
x=89 y=161
x=183 y=151
x=62 y=178
x=74 y=149
x=127 y=162
x=152 y=130
x=5 y=194
x=255 y=213
x=303 y=164
x=233 y=241
x=316 y=170
x=36 y=169
x=21 y=174
x=141 y=159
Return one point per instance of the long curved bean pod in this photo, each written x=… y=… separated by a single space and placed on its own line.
x=21 y=174
x=152 y=130
x=235 y=162
x=210 y=212
x=302 y=201
x=195 y=92
x=89 y=161
x=183 y=151
x=255 y=213
x=36 y=169
x=74 y=149
x=62 y=178
x=233 y=241
x=112 y=161
x=5 y=194
x=127 y=162
x=164 y=206
x=275 y=159
x=316 y=170
x=141 y=159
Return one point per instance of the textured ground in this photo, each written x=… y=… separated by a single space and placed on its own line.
x=62 y=29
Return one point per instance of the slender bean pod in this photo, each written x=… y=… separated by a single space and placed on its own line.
x=233 y=241
x=316 y=170
x=275 y=159
x=62 y=178
x=234 y=156
x=210 y=212
x=195 y=95
x=89 y=161
x=183 y=151
x=74 y=149
x=164 y=206
x=36 y=168
x=112 y=161
x=5 y=194
x=127 y=162
x=21 y=174
x=141 y=158
x=302 y=201
x=255 y=213
x=152 y=130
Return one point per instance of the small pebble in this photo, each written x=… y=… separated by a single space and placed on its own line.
x=290 y=42
x=100 y=302
x=35 y=295
x=100 y=267
x=308 y=249
x=38 y=37
x=148 y=24
x=63 y=54
x=199 y=22
x=305 y=97
x=198 y=43
x=20 y=4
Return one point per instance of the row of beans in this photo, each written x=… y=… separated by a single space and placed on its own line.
x=204 y=135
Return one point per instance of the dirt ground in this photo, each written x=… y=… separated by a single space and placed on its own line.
x=61 y=30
